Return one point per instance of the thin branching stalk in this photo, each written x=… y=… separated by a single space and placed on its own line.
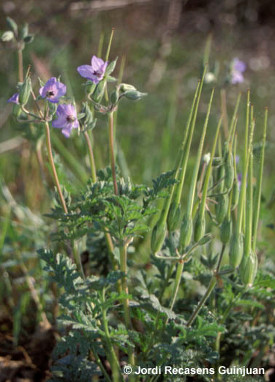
x=55 y=177
x=257 y=200
x=20 y=65
x=224 y=112
x=111 y=150
x=109 y=346
x=127 y=317
x=91 y=155
x=209 y=290
x=177 y=283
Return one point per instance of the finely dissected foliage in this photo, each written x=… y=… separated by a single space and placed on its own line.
x=203 y=233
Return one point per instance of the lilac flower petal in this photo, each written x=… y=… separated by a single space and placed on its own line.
x=237 y=77
x=53 y=90
x=14 y=98
x=59 y=123
x=85 y=71
x=66 y=132
x=66 y=119
x=97 y=63
x=239 y=65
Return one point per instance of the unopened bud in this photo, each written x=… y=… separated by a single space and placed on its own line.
x=25 y=91
x=126 y=87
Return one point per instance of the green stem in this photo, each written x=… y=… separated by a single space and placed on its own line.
x=102 y=368
x=209 y=290
x=111 y=148
x=257 y=201
x=109 y=348
x=109 y=45
x=177 y=283
x=20 y=65
x=197 y=164
x=127 y=317
x=55 y=177
x=91 y=156
x=244 y=173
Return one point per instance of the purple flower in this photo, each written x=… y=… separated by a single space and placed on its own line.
x=238 y=67
x=14 y=98
x=66 y=119
x=53 y=90
x=95 y=71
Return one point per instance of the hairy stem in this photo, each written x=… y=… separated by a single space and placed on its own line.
x=209 y=290
x=91 y=156
x=109 y=348
x=55 y=177
x=177 y=283
x=127 y=317
x=20 y=65
x=112 y=153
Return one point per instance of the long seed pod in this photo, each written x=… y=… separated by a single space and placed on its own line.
x=158 y=237
x=257 y=200
x=199 y=231
x=228 y=164
x=185 y=236
x=236 y=254
x=172 y=219
x=221 y=207
x=235 y=189
x=236 y=249
x=248 y=269
x=159 y=230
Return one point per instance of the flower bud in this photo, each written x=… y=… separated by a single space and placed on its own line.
x=185 y=232
x=199 y=227
x=99 y=91
x=158 y=237
x=25 y=91
x=134 y=95
x=174 y=215
x=114 y=96
x=88 y=115
x=225 y=230
x=126 y=87
x=236 y=250
x=221 y=207
x=248 y=269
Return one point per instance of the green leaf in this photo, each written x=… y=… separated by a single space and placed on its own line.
x=28 y=39
x=111 y=67
x=254 y=304
x=12 y=25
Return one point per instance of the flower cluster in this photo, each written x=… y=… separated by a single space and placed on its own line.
x=53 y=90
